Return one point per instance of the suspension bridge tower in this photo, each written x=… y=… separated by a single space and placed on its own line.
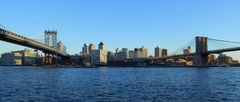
x=201 y=57
x=51 y=38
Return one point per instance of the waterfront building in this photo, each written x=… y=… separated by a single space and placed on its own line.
x=122 y=55
x=188 y=50
x=99 y=57
x=211 y=59
x=224 y=59
x=23 y=57
x=164 y=52
x=158 y=52
x=12 y=58
x=141 y=52
x=29 y=56
x=119 y=56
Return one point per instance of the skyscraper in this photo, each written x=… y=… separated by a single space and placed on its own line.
x=85 y=49
x=158 y=52
x=61 y=47
x=164 y=52
x=101 y=46
x=91 y=48
x=125 y=53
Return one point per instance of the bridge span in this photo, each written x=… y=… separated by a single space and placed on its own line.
x=201 y=52
x=18 y=39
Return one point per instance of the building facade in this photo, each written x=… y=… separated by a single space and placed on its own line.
x=61 y=47
x=141 y=52
x=164 y=52
x=12 y=58
x=99 y=57
x=188 y=50
x=23 y=57
x=158 y=52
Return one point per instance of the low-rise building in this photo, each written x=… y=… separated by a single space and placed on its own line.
x=12 y=58
x=23 y=57
x=224 y=59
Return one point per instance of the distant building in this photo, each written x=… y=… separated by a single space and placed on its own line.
x=12 y=58
x=158 y=52
x=99 y=57
x=125 y=53
x=211 y=59
x=29 y=56
x=91 y=47
x=164 y=52
x=85 y=49
x=141 y=52
x=61 y=47
x=188 y=50
x=224 y=59
x=132 y=55
x=117 y=50
x=110 y=57
x=122 y=55
x=101 y=46
x=119 y=56
x=23 y=57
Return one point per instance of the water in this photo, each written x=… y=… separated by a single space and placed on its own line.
x=119 y=84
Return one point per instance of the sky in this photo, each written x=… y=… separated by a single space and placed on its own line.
x=122 y=23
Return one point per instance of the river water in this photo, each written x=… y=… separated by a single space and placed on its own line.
x=119 y=84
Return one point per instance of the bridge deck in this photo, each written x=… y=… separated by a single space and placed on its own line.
x=24 y=41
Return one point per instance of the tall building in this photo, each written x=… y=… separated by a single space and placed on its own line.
x=132 y=55
x=61 y=47
x=188 y=50
x=158 y=52
x=99 y=57
x=101 y=46
x=164 y=52
x=110 y=57
x=85 y=49
x=141 y=52
x=125 y=53
x=91 y=48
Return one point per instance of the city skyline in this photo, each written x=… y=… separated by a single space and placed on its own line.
x=122 y=24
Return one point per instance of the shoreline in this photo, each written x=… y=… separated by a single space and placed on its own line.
x=150 y=66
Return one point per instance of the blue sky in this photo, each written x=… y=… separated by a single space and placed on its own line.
x=122 y=23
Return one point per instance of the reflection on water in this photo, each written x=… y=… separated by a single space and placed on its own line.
x=119 y=84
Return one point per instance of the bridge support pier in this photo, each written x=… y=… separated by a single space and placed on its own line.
x=201 y=58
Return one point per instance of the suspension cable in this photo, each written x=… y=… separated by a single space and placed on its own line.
x=224 y=41
x=184 y=46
